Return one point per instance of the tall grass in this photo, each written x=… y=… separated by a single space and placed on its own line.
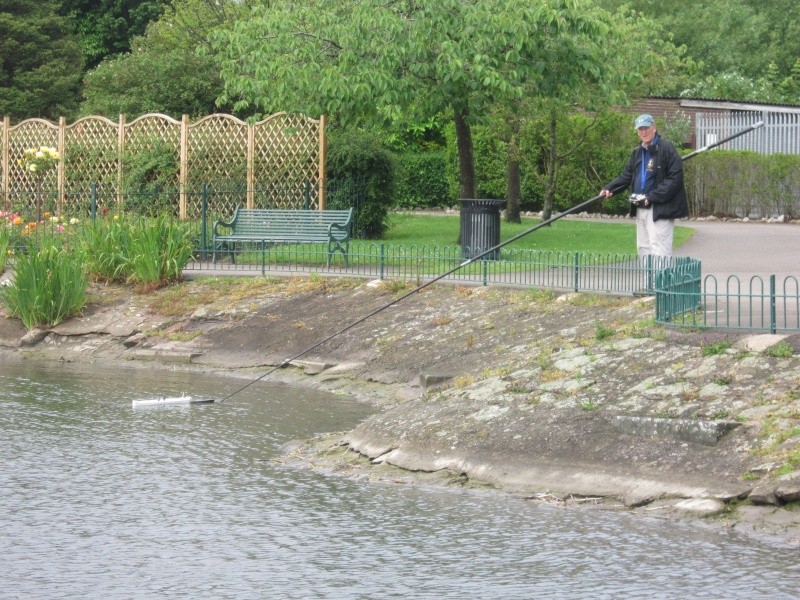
x=5 y=241
x=150 y=252
x=104 y=244
x=159 y=249
x=49 y=285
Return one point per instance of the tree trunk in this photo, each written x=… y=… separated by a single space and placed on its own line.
x=466 y=161
x=550 y=188
x=466 y=158
x=514 y=178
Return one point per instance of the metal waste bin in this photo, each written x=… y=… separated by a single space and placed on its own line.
x=480 y=227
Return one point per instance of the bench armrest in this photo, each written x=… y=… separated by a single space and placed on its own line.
x=227 y=224
x=340 y=233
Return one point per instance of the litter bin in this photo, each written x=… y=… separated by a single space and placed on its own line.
x=480 y=227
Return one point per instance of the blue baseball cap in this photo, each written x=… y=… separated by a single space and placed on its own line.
x=644 y=121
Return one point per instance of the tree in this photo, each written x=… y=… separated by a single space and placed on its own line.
x=169 y=70
x=107 y=27
x=40 y=61
x=410 y=58
x=631 y=56
x=733 y=56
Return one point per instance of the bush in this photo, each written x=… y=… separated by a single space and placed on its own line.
x=104 y=243
x=147 y=175
x=159 y=249
x=421 y=179
x=150 y=252
x=591 y=156
x=49 y=285
x=727 y=183
x=358 y=157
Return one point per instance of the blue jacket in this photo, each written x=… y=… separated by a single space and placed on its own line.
x=668 y=194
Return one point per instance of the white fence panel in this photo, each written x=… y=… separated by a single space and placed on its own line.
x=780 y=134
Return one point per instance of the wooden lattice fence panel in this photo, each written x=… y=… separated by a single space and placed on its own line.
x=286 y=161
x=217 y=156
x=22 y=184
x=91 y=156
x=277 y=162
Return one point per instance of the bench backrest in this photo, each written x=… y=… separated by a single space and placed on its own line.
x=289 y=225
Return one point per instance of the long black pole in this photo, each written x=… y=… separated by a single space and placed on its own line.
x=752 y=127
x=569 y=211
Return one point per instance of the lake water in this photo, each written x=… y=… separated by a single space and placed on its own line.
x=98 y=500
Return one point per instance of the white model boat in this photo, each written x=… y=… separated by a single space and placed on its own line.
x=171 y=401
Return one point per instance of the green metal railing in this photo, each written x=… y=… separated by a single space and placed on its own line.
x=575 y=271
x=682 y=296
x=755 y=305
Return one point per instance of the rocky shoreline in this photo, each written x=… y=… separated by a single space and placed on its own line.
x=576 y=399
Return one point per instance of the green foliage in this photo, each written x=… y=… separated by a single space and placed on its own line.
x=749 y=61
x=421 y=179
x=104 y=243
x=358 y=156
x=146 y=251
x=90 y=161
x=148 y=173
x=42 y=62
x=173 y=82
x=405 y=61
x=593 y=152
x=170 y=68
x=780 y=350
x=106 y=27
x=602 y=332
x=159 y=249
x=728 y=183
x=714 y=348
x=5 y=241
x=49 y=285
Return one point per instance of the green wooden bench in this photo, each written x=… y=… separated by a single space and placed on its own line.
x=279 y=226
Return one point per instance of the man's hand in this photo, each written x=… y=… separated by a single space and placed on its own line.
x=606 y=193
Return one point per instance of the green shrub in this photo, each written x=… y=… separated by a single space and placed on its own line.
x=49 y=285
x=592 y=151
x=160 y=247
x=5 y=242
x=728 y=183
x=421 y=179
x=357 y=156
x=104 y=243
x=148 y=174
x=782 y=349
x=148 y=251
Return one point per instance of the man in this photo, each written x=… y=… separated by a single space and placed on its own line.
x=654 y=176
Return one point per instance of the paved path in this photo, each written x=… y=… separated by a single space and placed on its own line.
x=744 y=249
x=737 y=261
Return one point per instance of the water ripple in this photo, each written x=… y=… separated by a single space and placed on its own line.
x=102 y=501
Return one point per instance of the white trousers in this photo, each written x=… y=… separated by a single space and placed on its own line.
x=653 y=237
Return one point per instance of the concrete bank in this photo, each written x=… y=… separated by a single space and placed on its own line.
x=575 y=399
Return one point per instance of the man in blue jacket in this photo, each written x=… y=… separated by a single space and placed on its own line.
x=654 y=177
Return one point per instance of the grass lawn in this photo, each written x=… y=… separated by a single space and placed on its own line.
x=565 y=235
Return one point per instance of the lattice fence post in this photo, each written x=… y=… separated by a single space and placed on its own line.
x=251 y=177
x=60 y=175
x=120 y=154
x=323 y=148
x=5 y=172
x=183 y=175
